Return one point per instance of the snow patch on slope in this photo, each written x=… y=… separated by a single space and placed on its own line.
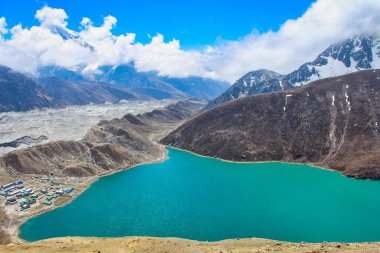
x=376 y=55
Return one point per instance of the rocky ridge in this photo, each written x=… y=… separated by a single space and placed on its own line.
x=25 y=140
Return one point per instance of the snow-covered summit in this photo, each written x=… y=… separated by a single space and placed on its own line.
x=354 y=54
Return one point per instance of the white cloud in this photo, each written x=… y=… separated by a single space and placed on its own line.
x=86 y=22
x=3 y=27
x=51 y=16
x=297 y=41
x=28 y=48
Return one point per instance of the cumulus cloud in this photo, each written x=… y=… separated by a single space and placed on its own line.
x=51 y=16
x=296 y=42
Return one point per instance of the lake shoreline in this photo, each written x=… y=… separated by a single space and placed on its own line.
x=259 y=162
x=14 y=229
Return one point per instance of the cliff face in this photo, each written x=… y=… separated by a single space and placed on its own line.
x=331 y=122
x=110 y=145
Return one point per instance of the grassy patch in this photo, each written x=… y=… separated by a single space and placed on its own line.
x=62 y=200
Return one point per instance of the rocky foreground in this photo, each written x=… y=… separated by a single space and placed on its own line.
x=333 y=123
x=169 y=245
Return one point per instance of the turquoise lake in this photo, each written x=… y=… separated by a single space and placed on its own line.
x=193 y=197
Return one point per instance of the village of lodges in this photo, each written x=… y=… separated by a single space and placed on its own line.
x=16 y=192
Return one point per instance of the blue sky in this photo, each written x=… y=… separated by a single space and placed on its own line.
x=220 y=39
x=194 y=22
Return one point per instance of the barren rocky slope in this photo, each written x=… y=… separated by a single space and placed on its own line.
x=111 y=145
x=332 y=122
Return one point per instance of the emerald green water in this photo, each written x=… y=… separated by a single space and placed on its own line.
x=205 y=199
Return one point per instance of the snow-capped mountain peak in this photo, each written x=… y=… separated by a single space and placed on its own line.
x=67 y=34
x=354 y=54
x=258 y=81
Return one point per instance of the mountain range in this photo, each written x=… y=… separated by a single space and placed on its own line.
x=56 y=87
x=355 y=54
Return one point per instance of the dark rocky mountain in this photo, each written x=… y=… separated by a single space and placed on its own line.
x=66 y=74
x=59 y=87
x=355 y=54
x=198 y=87
x=332 y=122
x=66 y=93
x=109 y=146
x=20 y=93
x=150 y=84
x=146 y=85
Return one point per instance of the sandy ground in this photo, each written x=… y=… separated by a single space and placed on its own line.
x=156 y=245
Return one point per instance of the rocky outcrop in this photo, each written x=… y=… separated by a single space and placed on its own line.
x=110 y=145
x=332 y=123
x=25 y=140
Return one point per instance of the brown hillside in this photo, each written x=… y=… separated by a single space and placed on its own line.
x=332 y=122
